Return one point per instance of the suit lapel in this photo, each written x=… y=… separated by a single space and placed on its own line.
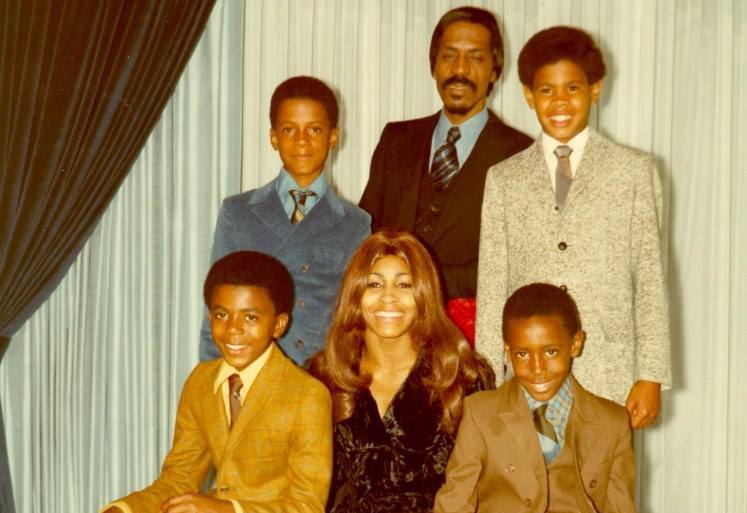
x=413 y=162
x=591 y=165
x=584 y=431
x=318 y=220
x=215 y=413
x=518 y=424
x=471 y=176
x=260 y=394
x=266 y=207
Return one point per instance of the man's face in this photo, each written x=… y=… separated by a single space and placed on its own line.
x=464 y=69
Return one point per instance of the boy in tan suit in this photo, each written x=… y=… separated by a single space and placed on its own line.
x=540 y=443
x=262 y=421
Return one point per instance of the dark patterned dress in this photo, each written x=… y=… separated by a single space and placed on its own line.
x=394 y=465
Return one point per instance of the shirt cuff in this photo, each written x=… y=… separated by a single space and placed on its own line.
x=125 y=507
x=236 y=506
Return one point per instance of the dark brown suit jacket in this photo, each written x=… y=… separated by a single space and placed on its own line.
x=497 y=463
x=391 y=195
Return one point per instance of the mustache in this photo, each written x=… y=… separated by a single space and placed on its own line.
x=455 y=79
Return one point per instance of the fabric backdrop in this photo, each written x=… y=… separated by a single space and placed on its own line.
x=118 y=337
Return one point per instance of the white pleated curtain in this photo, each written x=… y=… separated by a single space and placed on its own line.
x=90 y=384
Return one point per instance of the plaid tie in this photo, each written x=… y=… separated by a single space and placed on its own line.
x=445 y=163
x=234 y=396
x=542 y=425
x=299 y=198
x=563 y=176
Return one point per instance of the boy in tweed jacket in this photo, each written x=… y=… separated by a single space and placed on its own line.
x=584 y=213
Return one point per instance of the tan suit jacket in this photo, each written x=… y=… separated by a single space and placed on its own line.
x=497 y=464
x=277 y=457
x=603 y=245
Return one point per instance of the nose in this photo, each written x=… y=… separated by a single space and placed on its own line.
x=301 y=137
x=536 y=364
x=389 y=294
x=460 y=66
x=235 y=325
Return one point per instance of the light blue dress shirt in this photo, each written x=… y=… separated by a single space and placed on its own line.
x=285 y=183
x=470 y=130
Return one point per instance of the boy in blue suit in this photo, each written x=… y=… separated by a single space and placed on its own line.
x=297 y=217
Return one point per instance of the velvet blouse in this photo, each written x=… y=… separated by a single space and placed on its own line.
x=393 y=464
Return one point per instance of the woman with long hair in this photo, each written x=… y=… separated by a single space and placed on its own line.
x=398 y=371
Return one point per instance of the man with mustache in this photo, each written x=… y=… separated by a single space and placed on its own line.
x=428 y=174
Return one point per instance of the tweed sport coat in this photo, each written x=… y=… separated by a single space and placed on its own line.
x=497 y=463
x=603 y=245
x=316 y=253
x=277 y=456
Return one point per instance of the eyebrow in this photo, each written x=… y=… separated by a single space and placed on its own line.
x=381 y=275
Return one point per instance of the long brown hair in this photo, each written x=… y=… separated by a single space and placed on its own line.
x=452 y=366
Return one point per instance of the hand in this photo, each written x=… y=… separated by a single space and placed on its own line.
x=643 y=403
x=196 y=503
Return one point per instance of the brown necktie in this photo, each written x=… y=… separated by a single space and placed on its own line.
x=234 y=397
x=542 y=425
x=299 y=198
x=563 y=176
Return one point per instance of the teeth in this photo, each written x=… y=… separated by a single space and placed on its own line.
x=234 y=347
x=560 y=118
x=389 y=315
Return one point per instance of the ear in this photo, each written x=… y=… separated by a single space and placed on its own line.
x=596 y=88
x=334 y=136
x=528 y=96
x=274 y=139
x=281 y=323
x=577 y=343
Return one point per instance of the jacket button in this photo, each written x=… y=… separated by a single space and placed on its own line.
x=527 y=503
x=305 y=268
x=299 y=343
x=562 y=246
x=301 y=303
x=509 y=468
x=435 y=209
x=593 y=483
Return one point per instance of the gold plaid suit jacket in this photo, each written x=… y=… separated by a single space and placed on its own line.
x=277 y=457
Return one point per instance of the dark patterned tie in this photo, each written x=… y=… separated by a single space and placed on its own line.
x=542 y=425
x=234 y=396
x=563 y=176
x=445 y=162
x=299 y=199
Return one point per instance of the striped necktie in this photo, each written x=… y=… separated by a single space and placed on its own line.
x=445 y=162
x=299 y=199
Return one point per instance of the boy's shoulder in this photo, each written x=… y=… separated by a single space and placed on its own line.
x=250 y=197
x=614 y=151
x=594 y=408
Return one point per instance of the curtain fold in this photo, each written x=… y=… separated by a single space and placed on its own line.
x=83 y=84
